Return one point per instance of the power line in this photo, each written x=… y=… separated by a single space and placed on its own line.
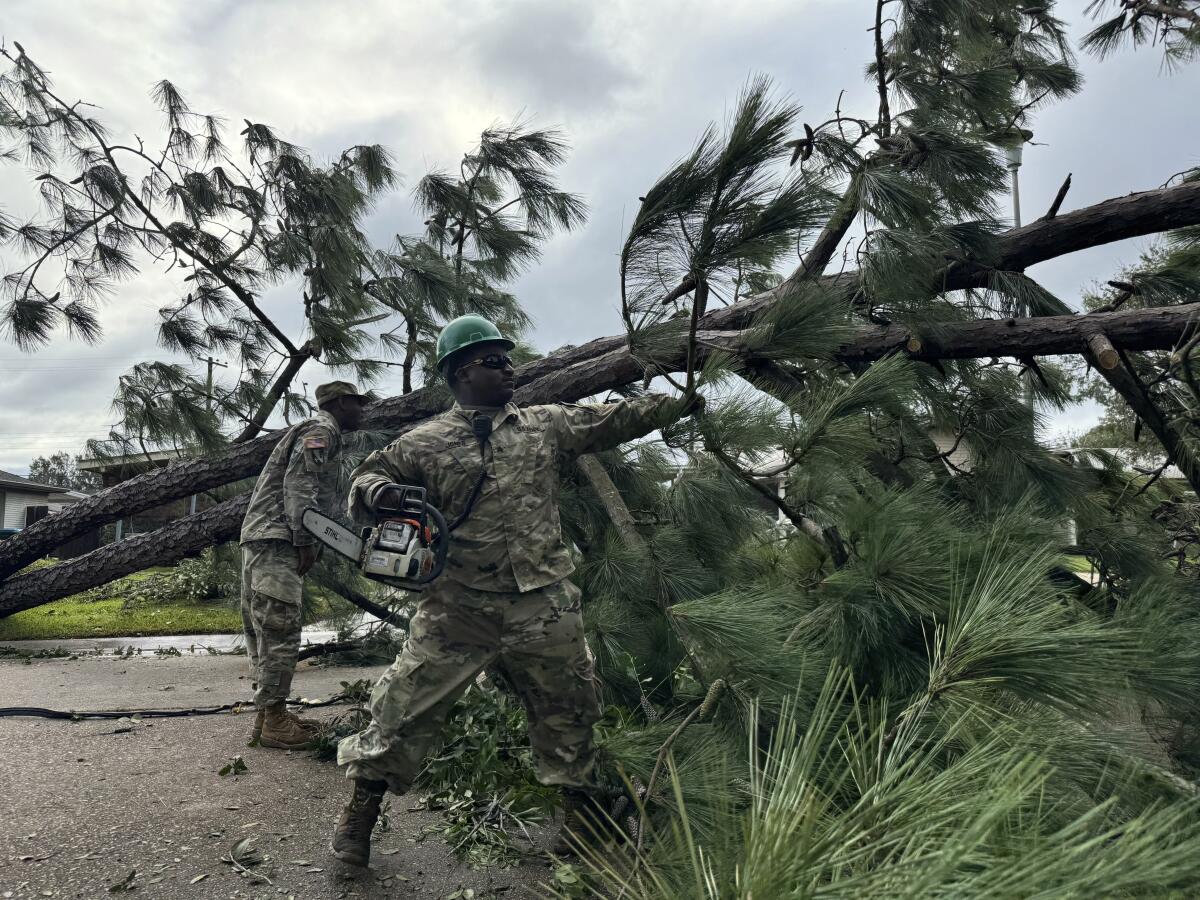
x=39 y=357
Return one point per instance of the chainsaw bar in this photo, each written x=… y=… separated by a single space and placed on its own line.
x=332 y=534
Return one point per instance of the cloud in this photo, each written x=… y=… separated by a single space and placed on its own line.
x=554 y=56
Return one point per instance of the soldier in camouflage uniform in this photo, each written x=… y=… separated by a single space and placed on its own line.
x=504 y=599
x=277 y=553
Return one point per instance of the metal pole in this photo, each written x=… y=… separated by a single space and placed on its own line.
x=1016 y=195
x=1013 y=156
x=209 y=383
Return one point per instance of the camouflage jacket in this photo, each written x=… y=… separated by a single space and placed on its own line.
x=512 y=540
x=301 y=472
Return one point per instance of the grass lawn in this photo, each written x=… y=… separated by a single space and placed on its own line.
x=100 y=613
x=74 y=618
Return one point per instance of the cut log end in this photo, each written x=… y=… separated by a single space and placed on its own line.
x=913 y=344
x=1103 y=352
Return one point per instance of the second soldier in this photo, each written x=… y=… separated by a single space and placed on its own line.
x=277 y=553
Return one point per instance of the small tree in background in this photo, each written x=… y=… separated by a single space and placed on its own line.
x=62 y=469
x=234 y=224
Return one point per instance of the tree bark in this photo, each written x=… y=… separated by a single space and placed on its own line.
x=1157 y=328
x=604 y=363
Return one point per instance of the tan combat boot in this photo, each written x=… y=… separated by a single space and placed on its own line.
x=256 y=735
x=284 y=731
x=352 y=839
x=584 y=820
x=314 y=724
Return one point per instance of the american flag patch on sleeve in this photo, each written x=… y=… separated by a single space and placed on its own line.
x=315 y=443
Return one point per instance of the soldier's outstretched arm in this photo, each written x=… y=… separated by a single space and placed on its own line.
x=302 y=479
x=592 y=427
x=383 y=467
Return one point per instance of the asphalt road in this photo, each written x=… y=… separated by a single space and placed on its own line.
x=84 y=804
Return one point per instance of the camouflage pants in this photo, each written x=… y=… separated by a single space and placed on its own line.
x=535 y=637
x=271 y=594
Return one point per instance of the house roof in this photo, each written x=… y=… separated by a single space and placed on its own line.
x=9 y=480
x=68 y=496
x=101 y=463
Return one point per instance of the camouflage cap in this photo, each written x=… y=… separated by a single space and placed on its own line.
x=335 y=389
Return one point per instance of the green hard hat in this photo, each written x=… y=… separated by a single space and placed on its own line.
x=467 y=331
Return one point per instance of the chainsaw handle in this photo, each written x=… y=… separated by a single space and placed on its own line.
x=441 y=546
x=412 y=501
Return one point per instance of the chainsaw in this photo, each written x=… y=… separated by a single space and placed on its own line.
x=401 y=550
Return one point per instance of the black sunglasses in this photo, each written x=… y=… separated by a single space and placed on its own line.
x=491 y=361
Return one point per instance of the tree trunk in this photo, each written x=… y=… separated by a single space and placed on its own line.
x=1157 y=328
x=826 y=244
x=604 y=363
x=178 y=540
x=183 y=478
x=410 y=353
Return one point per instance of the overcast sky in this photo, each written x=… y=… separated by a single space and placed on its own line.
x=630 y=83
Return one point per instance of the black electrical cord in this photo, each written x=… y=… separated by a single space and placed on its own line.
x=77 y=715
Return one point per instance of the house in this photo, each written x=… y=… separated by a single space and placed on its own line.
x=1087 y=456
x=24 y=502
x=20 y=495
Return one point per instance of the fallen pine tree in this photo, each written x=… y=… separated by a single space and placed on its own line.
x=606 y=363
x=1145 y=329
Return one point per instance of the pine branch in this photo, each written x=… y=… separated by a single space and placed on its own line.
x=1116 y=369
x=826 y=537
x=217 y=270
x=1058 y=198
x=1168 y=10
x=704 y=709
x=278 y=388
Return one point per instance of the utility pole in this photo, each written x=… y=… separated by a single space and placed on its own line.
x=209 y=383
x=208 y=395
